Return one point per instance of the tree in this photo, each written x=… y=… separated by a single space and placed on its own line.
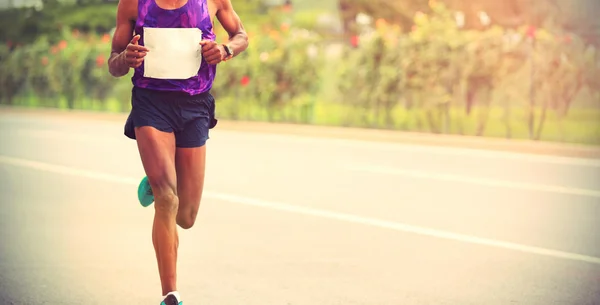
x=577 y=16
x=26 y=24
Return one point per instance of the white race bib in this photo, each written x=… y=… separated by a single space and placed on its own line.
x=174 y=53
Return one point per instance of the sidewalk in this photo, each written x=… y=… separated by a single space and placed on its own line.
x=522 y=146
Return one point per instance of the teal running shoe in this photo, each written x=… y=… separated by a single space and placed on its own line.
x=145 y=195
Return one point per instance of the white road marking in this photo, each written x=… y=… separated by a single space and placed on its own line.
x=390 y=225
x=425 y=149
x=70 y=136
x=475 y=180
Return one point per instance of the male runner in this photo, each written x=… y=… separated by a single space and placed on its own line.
x=170 y=118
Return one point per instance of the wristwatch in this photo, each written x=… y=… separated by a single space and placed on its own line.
x=229 y=52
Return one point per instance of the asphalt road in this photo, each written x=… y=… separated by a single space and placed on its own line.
x=298 y=221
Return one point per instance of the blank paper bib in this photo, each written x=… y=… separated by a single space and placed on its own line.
x=174 y=53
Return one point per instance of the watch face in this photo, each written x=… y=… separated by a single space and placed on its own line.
x=228 y=50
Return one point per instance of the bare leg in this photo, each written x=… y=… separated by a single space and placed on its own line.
x=190 y=164
x=157 y=151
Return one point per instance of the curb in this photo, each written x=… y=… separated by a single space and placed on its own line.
x=415 y=138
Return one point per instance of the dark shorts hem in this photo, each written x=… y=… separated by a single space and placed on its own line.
x=130 y=129
x=189 y=117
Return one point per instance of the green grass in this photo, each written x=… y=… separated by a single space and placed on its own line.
x=582 y=125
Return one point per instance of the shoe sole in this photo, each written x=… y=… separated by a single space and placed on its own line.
x=145 y=193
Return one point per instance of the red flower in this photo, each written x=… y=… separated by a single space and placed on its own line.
x=245 y=81
x=100 y=61
x=531 y=31
x=354 y=41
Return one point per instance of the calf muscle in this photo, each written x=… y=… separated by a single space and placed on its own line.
x=157 y=151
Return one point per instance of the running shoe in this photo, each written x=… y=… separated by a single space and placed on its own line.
x=145 y=195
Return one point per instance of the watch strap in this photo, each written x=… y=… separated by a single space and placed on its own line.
x=229 y=52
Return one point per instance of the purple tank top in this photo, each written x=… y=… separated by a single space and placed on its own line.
x=194 y=14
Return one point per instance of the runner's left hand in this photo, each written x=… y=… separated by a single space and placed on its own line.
x=212 y=52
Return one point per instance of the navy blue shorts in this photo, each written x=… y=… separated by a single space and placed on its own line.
x=189 y=117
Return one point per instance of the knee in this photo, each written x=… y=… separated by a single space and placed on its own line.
x=186 y=221
x=166 y=203
x=165 y=194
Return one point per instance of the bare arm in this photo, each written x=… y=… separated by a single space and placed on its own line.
x=231 y=22
x=125 y=51
x=238 y=39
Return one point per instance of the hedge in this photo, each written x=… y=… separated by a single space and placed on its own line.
x=516 y=83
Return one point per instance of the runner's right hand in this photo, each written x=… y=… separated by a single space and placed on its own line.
x=134 y=53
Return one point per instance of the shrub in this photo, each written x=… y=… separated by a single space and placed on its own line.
x=433 y=78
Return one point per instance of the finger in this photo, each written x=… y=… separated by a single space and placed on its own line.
x=130 y=60
x=133 y=60
x=206 y=42
x=210 y=60
x=136 y=47
x=213 y=58
x=135 y=39
x=213 y=55
x=130 y=55
x=211 y=52
x=137 y=62
x=208 y=48
x=136 y=54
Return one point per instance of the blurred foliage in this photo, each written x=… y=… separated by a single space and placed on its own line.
x=23 y=25
x=70 y=71
x=520 y=82
x=281 y=68
x=437 y=67
x=578 y=16
x=26 y=24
